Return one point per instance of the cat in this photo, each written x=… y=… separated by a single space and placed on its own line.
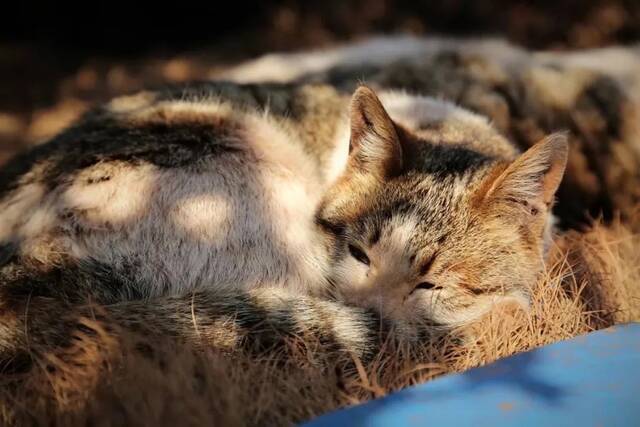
x=402 y=204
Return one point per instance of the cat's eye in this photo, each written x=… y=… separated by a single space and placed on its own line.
x=359 y=254
x=426 y=286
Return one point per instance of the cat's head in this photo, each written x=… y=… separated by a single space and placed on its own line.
x=435 y=231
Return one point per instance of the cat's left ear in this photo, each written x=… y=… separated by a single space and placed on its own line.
x=374 y=145
x=532 y=180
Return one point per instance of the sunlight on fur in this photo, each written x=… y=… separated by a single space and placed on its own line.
x=108 y=373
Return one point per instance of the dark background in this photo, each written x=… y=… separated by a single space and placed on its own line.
x=127 y=28
x=56 y=59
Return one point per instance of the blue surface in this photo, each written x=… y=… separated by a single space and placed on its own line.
x=592 y=380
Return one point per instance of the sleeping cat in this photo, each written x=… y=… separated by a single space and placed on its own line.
x=406 y=205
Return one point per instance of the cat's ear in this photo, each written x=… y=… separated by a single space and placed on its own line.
x=532 y=179
x=374 y=145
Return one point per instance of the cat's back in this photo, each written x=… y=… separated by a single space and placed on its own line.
x=180 y=187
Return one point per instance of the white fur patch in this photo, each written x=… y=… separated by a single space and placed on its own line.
x=25 y=213
x=204 y=217
x=402 y=230
x=127 y=104
x=122 y=198
x=413 y=111
x=290 y=183
x=340 y=155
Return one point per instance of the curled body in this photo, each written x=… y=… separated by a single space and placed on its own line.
x=402 y=204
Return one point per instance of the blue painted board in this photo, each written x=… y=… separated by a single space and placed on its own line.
x=592 y=380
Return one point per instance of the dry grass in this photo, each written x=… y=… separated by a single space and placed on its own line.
x=109 y=376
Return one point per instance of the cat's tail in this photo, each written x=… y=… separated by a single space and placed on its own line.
x=255 y=320
x=258 y=321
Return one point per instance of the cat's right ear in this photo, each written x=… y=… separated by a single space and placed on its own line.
x=374 y=146
x=532 y=179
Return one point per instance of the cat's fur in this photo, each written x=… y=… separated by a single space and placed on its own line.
x=412 y=207
x=594 y=94
x=174 y=191
x=255 y=320
x=418 y=211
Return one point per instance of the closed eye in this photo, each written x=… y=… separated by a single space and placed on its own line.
x=426 y=286
x=359 y=254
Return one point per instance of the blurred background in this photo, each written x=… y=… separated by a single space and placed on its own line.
x=57 y=60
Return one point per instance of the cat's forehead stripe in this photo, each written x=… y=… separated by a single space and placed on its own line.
x=375 y=236
x=426 y=265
